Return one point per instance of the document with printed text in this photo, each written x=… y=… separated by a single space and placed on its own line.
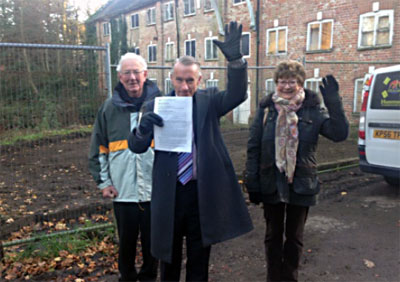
x=177 y=133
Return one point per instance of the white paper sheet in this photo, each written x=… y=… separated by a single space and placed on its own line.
x=177 y=133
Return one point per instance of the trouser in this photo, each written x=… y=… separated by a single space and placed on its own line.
x=283 y=257
x=187 y=223
x=132 y=219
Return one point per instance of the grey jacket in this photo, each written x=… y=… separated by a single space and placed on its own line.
x=110 y=160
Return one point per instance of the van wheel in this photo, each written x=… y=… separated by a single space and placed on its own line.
x=393 y=181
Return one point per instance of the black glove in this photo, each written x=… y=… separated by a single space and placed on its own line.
x=231 y=47
x=330 y=90
x=255 y=197
x=147 y=121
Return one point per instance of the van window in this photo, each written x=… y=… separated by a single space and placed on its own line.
x=386 y=92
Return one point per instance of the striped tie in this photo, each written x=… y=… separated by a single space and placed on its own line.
x=185 y=167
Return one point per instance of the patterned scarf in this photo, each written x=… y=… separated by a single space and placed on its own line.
x=286 y=132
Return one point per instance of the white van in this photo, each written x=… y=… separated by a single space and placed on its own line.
x=379 y=128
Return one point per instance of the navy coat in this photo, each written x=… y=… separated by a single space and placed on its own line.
x=223 y=211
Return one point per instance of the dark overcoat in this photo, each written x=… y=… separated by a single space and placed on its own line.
x=223 y=211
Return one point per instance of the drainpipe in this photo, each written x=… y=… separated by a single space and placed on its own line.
x=257 y=28
x=219 y=19
x=178 y=45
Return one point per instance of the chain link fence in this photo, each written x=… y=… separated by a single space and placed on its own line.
x=49 y=97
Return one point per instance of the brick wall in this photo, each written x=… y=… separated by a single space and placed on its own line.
x=293 y=14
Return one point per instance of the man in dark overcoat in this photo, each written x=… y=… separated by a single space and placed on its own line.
x=210 y=207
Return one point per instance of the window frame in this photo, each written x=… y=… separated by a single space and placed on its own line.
x=213 y=81
x=166 y=8
x=316 y=90
x=357 y=100
x=195 y=51
x=151 y=16
x=238 y=2
x=267 y=81
x=276 y=29
x=166 y=88
x=138 y=23
x=108 y=29
x=377 y=15
x=321 y=22
x=214 y=49
x=149 y=53
x=136 y=50
x=204 y=7
x=190 y=7
x=172 y=51
x=241 y=44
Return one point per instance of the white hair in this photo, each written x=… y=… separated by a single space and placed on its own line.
x=134 y=56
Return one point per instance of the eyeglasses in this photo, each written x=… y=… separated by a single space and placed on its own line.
x=129 y=72
x=287 y=82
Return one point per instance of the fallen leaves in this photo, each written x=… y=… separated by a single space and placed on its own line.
x=369 y=263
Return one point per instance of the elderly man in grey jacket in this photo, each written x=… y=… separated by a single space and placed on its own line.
x=122 y=175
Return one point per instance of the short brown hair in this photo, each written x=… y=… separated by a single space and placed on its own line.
x=186 y=61
x=288 y=69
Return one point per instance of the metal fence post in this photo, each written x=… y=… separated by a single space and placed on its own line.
x=108 y=70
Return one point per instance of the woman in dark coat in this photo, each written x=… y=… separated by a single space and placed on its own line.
x=281 y=169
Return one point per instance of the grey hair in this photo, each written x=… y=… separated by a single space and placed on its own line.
x=134 y=56
x=186 y=61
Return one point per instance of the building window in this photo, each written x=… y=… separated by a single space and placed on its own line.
x=235 y=2
x=245 y=46
x=151 y=16
x=136 y=50
x=106 y=29
x=190 y=8
x=190 y=48
x=152 y=53
x=319 y=35
x=208 y=6
x=135 y=21
x=313 y=84
x=269 y=86
x=152 y=79
x=169 y=51
x=168 y=86
x=168 y=11
x=211 y=83
x=277 y=40
x=376 y=29
x=358 y=89
x=210 y=49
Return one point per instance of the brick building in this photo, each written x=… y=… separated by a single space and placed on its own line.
x=346 y=38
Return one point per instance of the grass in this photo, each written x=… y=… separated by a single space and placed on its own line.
x=15 y=136
x=50 y=247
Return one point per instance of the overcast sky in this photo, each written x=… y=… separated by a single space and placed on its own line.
x=83 y=5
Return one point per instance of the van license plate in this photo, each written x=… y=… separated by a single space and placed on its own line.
x=387 y=134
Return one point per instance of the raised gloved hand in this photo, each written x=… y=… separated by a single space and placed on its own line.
x=330 y=90
x=255 y=197
x=231 y=46
x=147 y=121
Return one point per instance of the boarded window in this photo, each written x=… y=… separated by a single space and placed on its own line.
x=320 y=35
x=376 y=29
x=272 y=42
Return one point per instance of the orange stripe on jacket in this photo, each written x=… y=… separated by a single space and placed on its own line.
x=103 y=149
x=118 y=145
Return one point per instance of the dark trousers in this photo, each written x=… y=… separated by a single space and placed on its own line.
x=283 y=257
x=132 y=219
x=187 y=223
